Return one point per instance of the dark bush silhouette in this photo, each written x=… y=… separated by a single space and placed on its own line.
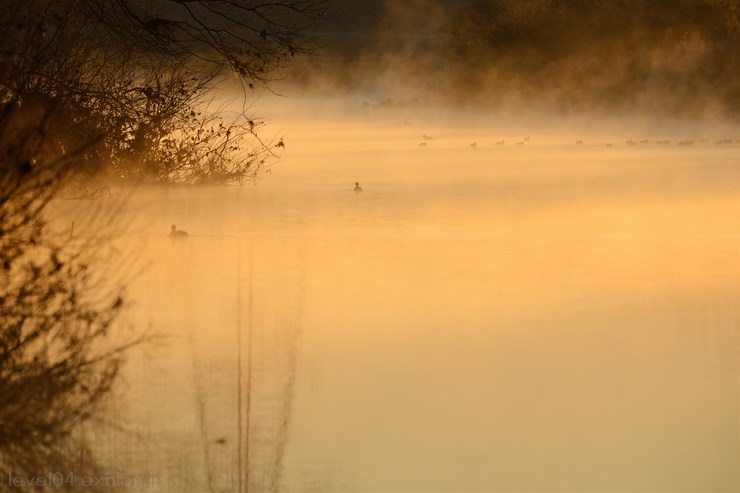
x=120 y=90
x=56 y=363
x=135 y=78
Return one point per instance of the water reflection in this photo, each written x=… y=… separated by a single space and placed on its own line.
x=564 y=320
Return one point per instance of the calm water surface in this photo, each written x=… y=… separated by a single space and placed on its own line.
x=500 y=318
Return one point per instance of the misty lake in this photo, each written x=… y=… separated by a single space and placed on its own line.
x=547 y=316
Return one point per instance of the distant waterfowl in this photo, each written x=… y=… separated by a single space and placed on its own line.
x=526 y=139
x=579 y=142
x=422 y=144
x=499 y=142
x=686 y=143
x=178 y=233
x=608 y=144
x=644 y=141
x=474 y=144
x=357 y=188
x=426 y=137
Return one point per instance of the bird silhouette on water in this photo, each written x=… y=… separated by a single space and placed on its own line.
x=357 y=188
x=178 y=234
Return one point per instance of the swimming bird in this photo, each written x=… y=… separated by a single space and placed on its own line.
x=177 y=234
x=357 y=188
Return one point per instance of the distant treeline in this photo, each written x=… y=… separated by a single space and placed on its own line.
x=676 y=57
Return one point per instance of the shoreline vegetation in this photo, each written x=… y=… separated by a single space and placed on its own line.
x=91 y=89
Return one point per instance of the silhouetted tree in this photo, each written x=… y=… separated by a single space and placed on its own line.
x=137 y=75
x=115 y=87
x=56 y=363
